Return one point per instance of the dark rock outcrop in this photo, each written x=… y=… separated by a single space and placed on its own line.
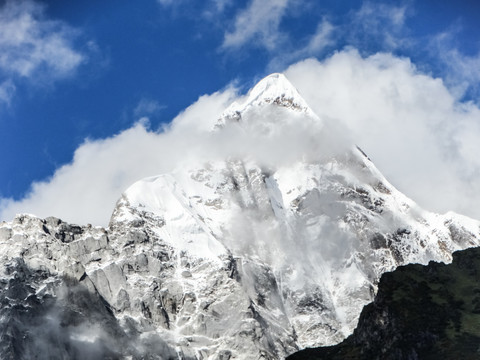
x=420 y=312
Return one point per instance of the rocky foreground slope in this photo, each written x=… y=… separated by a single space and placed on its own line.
x=248 y=255
x=420 y=312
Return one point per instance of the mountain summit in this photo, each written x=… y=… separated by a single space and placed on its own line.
x=236 y=258
x=274 y=89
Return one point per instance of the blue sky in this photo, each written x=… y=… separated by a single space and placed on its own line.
x=82 y=72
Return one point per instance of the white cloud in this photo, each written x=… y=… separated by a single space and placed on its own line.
x=215 y=10
x=462 y=72
x=410 y=124
x=85 y=191
x=146 y=107
x=221 y=5
x=29 y=42
x=167 y=2
x=34 y=47
x=7 y=90
x=414 y=129
x=382 y=23
x=321 y=38
x=372 y=15
x=318 y=42
x=258 y=25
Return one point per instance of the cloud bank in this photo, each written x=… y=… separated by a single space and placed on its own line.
x=86 y=190
x=415 y=130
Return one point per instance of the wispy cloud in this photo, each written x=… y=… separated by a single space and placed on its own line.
x=383 y=24
x=215 y=9
x=373 y=15
x=461 y=71
x=147 y=107
x=221 y=5
x=371 y=28
x=167 y=2
x=7 y=90
x=320 y=39
x=34 y=47
x=258 y=25
x=314 y=45
x=384 y=27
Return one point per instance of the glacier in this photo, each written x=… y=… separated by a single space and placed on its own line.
x=271 y=247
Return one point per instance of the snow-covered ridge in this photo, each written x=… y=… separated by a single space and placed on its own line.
x=273 y=89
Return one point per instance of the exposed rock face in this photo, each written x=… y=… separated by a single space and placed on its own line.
x=420 y=312
x=50 y=308
x=231 y=259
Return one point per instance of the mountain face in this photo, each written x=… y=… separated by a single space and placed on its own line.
x=420 y=312
x=251 y=255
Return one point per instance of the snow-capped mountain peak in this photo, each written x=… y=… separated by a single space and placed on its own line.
x=275 y=89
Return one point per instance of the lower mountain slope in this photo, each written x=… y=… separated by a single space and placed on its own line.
x=420 y=312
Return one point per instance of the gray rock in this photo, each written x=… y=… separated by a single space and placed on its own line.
x=5 y=233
